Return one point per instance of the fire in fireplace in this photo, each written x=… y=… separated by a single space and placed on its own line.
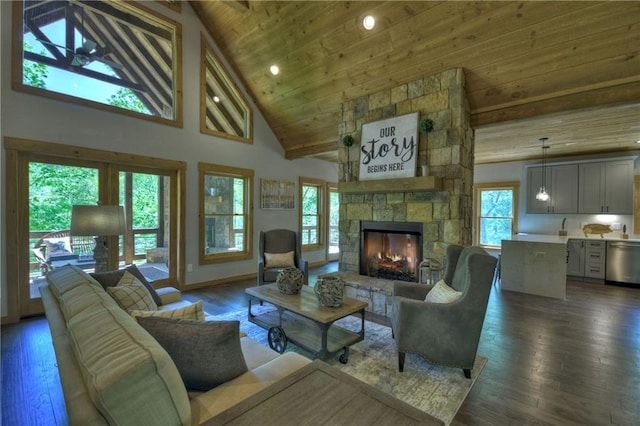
x=390 y=250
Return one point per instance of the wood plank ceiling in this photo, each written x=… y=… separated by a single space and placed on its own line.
x=569 y=71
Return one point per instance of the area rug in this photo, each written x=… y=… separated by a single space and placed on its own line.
x=439 y=391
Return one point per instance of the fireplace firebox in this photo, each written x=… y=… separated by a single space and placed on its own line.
x=391 y=250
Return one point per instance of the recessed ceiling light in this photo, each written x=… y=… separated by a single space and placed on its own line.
x=274 y=70
x=216 y=99
x=638 y=141
x=368 y=22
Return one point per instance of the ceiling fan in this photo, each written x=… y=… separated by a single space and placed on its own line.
x=85 y=54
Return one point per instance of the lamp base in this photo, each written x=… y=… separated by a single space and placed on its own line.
x=101 y=254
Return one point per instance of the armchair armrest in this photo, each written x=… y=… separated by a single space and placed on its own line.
x=169 y=295
x=411 y=290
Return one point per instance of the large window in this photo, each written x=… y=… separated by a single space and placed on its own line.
x=226 y=209
x=496 y=212
x=113 y=55
x=311 y=218
x=223 y=110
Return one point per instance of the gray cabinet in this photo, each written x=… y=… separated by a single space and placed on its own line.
x=586 y=258
x=606 y=187
x=561 y=185
x=575 y=258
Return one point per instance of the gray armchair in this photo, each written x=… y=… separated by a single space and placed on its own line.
x=445 y=333
x=280 y=241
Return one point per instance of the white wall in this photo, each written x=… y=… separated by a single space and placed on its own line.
x=34 y=117
x=547 y=223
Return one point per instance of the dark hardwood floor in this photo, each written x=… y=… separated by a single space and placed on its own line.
x=551 y=362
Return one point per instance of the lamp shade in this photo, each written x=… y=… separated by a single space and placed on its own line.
x=97 y=220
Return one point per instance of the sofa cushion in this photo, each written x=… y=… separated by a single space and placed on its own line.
x=442 y=293
x=111 y=279
x=66 y=278
x=129 y=377
x=206 y=354
x=194 y=311
x=131 y=294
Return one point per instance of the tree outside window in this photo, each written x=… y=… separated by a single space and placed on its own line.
x=311 y=199
x=495 y=213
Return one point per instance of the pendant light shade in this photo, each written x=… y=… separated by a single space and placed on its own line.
x=542 y=194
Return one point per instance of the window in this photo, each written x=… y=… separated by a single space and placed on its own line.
x=312 y=206
x=496 y=212
x=223 y=110
x=112 y=55
x=226 y=209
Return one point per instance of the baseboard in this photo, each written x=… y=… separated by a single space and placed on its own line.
x=220 y=281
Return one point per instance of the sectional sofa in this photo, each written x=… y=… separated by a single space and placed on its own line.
x=114 y=372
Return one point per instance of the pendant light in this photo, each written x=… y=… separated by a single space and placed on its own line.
x=542 y=193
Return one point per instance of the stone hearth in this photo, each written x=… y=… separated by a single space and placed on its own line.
x=441 y=201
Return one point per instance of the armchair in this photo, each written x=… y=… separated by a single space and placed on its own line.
x=445 y=333
x=277 y=242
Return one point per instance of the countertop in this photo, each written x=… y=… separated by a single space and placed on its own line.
x=556 y=239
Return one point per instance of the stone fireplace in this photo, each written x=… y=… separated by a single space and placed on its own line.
x=440 y=202
x=390 y=250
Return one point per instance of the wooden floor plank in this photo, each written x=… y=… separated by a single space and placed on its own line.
x=551 y=362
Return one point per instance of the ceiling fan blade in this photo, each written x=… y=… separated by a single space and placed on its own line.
x=77 y=61
x=108 y=62
x=53 y=44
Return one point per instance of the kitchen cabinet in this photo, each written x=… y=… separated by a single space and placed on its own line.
x=561 y=185
x=575 y=258
x=606 y=187
x=586 y=258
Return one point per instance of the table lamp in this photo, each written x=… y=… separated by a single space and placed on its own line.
x=98 y=222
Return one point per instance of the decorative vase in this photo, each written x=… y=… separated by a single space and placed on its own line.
x=290 y=280
x=329 y=291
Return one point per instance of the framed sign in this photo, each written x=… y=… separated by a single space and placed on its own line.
x=277 y=194
x=389 y=148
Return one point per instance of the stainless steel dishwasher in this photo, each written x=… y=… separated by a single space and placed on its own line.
x=623 y=262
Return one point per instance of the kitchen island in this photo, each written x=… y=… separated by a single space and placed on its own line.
x=535 y=264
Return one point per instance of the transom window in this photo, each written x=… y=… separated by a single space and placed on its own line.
x=113 y=55
x=223 y=110
x=312 y=206
x=226 y=209
x=496 y=208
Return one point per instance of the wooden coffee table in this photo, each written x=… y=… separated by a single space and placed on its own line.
x=300 y=319
x=319 y=394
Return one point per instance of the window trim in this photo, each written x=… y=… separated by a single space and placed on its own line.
x=226 y=171
x=321 y=208
x=17 y=67
x=514 y=186
x=206 y=49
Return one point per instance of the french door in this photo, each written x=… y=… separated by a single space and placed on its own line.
x=48 y=185
x=333 y=215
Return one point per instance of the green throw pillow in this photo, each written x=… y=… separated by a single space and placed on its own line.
x=206 y=353
x=111 y=279
x=131 y=294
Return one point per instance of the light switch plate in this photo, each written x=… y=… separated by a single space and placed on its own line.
x=615 y=226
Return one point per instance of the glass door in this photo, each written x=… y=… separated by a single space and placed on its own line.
x=145 y=197
x=53 y=189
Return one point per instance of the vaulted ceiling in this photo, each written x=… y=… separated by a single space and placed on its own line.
x=569 y=71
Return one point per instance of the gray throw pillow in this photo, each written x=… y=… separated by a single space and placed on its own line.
x=112 y=278
x=206 y=354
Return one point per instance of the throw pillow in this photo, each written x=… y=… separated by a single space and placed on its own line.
x=278 y=260
x=206 y=353
x=57 y=247
x=131 y=294
x=442 y=293
x=194 y=311
x=111 y=279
